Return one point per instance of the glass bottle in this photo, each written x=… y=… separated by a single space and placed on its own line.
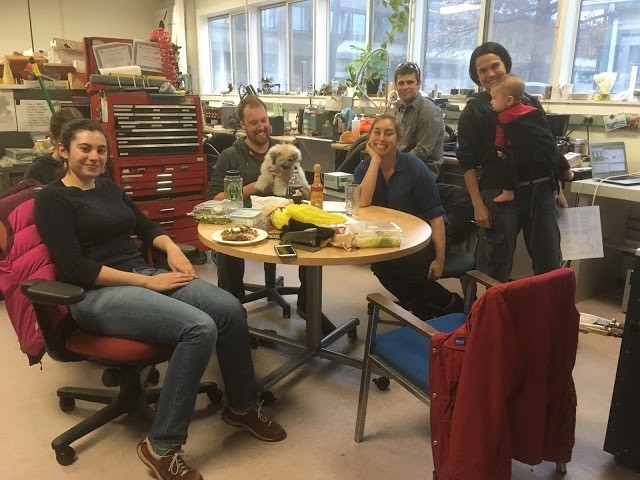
x=294 y=185
x=317 y=190
x=233 y=188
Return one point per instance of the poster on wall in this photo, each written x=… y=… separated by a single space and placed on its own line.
x=33 y=115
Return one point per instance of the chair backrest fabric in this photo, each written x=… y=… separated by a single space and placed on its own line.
x=502 y=385
x=24 y=257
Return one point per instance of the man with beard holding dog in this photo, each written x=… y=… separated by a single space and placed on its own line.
x=246 y=156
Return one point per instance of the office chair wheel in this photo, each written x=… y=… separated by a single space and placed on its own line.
x=279 y=281
x=66 y=404
x=200 y=259
x=215 y=397
x=267 y=398
x=561 y=468
x=154 y=377
x=286 y=311
x=382 y=383
x=111 y=377
x=254 y=343
x=352 y=334
x=65 y=455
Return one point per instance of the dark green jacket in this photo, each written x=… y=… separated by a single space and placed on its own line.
x=45 y=169
x=236 y=157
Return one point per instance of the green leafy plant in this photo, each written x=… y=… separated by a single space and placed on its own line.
x=376 y=67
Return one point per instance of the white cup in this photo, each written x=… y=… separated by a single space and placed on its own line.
x=352 y=199
x=565 y=90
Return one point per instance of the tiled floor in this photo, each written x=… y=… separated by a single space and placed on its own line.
x=317 y=406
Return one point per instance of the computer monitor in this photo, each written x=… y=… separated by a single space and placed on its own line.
x=608 y=159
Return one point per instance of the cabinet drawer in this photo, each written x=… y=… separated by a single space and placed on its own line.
x=183 y=235
x=157 y=210
x=164 y=190
x=161 y=182
x=178 y=222
x=162 y=172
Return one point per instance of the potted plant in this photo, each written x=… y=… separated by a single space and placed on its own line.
x=376 y=68
x=373 y=71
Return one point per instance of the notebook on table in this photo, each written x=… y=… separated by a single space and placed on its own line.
x=609 y=159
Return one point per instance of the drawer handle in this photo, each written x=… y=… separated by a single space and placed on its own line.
x=167 y=210
x=185 y=168
x=165 y=189
x=165 y=182
x=168 y=222
x=159 y=175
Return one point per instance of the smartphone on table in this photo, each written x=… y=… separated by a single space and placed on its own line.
x=285 y=251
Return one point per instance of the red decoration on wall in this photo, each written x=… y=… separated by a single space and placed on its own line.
x=161 y=37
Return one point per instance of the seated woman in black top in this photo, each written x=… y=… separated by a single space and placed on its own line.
x=87 y=223
x=401 y=181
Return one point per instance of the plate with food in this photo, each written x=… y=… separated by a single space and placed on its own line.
x=241 y=235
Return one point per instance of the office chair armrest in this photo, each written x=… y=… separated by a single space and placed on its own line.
x=189 y=251
x=402 y=315
x=482 y=278
x=48 y=292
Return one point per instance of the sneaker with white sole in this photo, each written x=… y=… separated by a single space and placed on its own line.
x=170 y=466
x=254 y=421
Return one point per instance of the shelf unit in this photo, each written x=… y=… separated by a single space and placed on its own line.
x=155 y=155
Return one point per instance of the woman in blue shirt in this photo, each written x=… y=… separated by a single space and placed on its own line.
x=401 y=181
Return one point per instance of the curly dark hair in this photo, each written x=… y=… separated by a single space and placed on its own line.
x=484 y=49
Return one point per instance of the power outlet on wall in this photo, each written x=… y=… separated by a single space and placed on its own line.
x=587 y=120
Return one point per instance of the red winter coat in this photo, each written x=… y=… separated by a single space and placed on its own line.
x=23 y=256
x=501 y=384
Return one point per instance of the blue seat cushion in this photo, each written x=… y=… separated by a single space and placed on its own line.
x=408 y=352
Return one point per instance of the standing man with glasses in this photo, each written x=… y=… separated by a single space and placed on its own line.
x=420 y=119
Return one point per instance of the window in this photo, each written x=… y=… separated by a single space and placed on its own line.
x=379 y=27
x=240 y=50
x=451 y=36
x=274 y=46
x=608 y=41
x=526 y=29
x=347 y=26
x=220 y=53
x=224 y=32
x=301 y=35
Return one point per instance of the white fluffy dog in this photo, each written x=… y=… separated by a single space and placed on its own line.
x=283 y=157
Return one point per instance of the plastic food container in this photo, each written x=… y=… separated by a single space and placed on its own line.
x=376 y=234
x=213 y=211
x=246 y=216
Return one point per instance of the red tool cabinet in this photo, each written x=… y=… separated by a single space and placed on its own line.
x=155 y=155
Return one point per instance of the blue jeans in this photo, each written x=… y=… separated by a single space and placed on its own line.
x=196 y=318
x=535 y=212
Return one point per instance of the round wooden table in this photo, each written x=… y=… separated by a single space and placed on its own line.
x=417 y=234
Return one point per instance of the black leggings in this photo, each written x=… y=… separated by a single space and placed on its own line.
x=407 y=279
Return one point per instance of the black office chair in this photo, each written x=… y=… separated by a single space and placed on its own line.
x=273 y=290
x=353 y=157
x=213 y=146
x=462 y=241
